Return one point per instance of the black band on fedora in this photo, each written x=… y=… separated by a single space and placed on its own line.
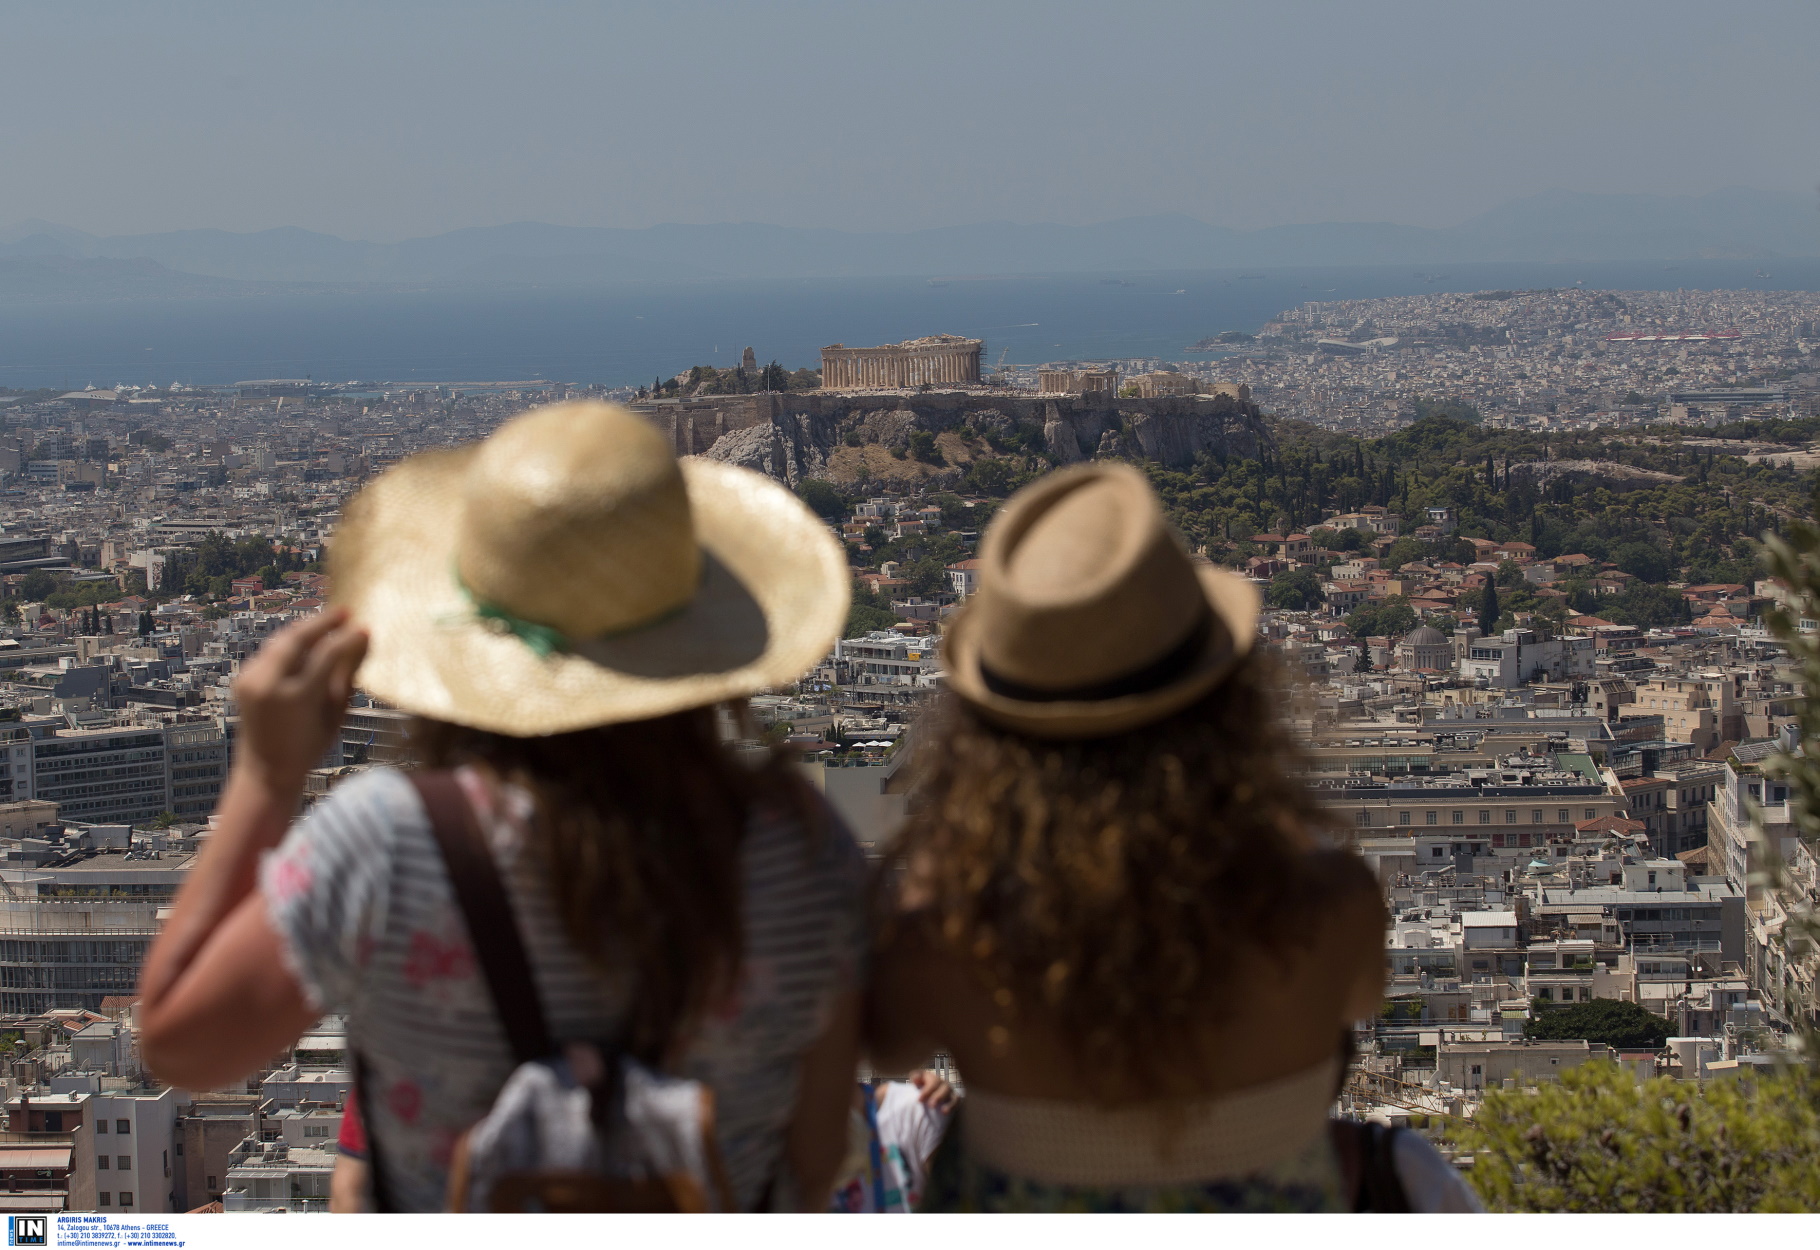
x=1152 y=676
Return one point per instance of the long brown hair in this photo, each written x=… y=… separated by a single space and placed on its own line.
x=1108 y=884
x=640 y=827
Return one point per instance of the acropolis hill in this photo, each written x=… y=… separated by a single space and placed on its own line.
x=864 y=428
x=830 y=434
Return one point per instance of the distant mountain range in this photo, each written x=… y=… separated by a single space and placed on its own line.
x=40 y=260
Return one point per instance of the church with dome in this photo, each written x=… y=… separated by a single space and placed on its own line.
x=1425 y=647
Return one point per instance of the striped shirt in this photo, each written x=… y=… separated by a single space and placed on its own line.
x=362 y=903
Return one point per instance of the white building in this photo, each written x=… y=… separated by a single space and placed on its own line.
x=1520 y=656
x=1488 y=930
x=887 y=658
x=127 y=1151
x=278 y=1176
x=75 y=934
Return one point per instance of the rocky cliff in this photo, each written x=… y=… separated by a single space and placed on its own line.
x=856 y=436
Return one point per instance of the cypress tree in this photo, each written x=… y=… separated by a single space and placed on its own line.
x=1488 y=607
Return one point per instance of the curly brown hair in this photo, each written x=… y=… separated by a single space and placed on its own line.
x=1109 y=882
x=639 y=827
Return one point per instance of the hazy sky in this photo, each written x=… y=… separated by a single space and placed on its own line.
x=390 y=120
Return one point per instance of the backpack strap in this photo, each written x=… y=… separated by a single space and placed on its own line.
x=1381 y=1189
x=378 y=1192
x=1368 y=1166
x=492 y=929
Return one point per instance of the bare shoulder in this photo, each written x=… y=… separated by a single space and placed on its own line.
x=1351 y=890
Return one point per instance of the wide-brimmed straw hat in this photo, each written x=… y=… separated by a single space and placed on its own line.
x=1091 y=618
x=570 y=571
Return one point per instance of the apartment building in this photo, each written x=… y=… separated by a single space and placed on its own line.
x=885 y=658
x=276 y=1176
x=198 y=755
x=206 y=1134
x=1489 y=1065
x=110 y=775
x=1534 y=803
x=1656 y=908
x=74 y=931
x=1520 y=656
x=134 y=1132
x=1702 y=710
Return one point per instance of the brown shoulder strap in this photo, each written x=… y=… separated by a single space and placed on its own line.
x=492 y=929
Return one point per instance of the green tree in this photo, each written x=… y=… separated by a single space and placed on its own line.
x=1599 y=1141
x=1489 y=612
x=1508 y=574
x=989 y=476
x=1295 y=590
x=1390 y=617
x=863 y=619
x=823 y=499
x=37 y=585
x=1620 y=1025
x=1644 y=561
x=1648 y=606
x=923 y=448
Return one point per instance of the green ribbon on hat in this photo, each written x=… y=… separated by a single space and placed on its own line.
x=544 y=640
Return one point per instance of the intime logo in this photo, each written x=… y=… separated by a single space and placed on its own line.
x=27 y=1230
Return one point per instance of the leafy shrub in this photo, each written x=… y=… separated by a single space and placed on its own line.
x=922 y=446
x=1598 y=1141
x=822 y=498
x=1622 y=1026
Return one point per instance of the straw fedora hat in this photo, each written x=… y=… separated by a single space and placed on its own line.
x=570 y=571
x=1091 y=618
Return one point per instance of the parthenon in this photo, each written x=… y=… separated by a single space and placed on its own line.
x=936 y=360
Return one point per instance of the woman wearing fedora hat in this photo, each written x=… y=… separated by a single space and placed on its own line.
x=1113 y=908
x=563 y=607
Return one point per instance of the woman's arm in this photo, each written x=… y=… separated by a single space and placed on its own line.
x=215 y=996
x=817 y=1137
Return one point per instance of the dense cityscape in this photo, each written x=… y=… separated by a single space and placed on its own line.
x=1508 y=542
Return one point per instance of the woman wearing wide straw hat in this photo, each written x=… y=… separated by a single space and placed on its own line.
x=1113 y=910
x=564 y=608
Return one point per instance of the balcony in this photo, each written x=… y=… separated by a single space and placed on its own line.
x=243 y=1201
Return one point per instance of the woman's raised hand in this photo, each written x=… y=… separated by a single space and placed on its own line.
x=293 y=694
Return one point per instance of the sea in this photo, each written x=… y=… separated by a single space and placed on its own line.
x=631 y=333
